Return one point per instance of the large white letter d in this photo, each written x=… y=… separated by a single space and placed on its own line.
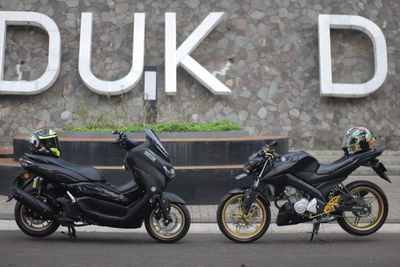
x=328 y=88
x=54 y=58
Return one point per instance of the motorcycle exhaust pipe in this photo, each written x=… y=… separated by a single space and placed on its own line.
x=31 y=202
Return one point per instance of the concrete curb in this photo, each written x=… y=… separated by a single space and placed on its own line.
x=212 y=228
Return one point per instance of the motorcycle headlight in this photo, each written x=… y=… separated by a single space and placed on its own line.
x=253 y=163
x=169 y=171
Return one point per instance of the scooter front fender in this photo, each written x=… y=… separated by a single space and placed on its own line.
x=174 y=198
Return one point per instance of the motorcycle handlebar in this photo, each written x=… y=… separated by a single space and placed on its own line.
x=271 y=151
x=117 y=132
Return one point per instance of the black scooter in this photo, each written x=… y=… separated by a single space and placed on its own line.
x=303 y=190
x=72 y=195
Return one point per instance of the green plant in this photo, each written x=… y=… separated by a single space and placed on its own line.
x=169 y=126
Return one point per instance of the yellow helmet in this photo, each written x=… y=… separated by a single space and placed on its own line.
x=44 y=142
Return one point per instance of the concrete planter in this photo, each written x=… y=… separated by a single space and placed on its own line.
x=160 y=135
x=186 y=149
x=205 y=162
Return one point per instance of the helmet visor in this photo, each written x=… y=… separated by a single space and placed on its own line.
x=52 y=144
x=346 y=140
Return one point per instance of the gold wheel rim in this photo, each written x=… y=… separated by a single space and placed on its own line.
x=241 y=218
x=31 y=224
x=374 y=220
x=154 y=224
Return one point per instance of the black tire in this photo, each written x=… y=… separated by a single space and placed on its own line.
x=181 y=225
x=23 y=216
x=382 y=209
x=236 y=236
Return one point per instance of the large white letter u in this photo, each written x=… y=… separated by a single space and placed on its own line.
x=111 y=87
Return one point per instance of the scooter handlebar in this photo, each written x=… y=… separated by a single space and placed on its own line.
x=124 y=141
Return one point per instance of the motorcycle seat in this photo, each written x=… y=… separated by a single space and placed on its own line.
x=87 y=172
x=330 y=168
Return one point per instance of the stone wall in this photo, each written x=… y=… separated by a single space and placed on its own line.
x=269 y=50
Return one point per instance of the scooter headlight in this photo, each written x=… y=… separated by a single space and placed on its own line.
x=169 y=171
x=26 y=162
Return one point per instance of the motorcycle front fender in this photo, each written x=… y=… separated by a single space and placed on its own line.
x=247 y=191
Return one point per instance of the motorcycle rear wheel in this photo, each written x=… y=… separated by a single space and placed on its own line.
x=365 y=223
x=29 y=221
x=239 y=227
x=173 y=231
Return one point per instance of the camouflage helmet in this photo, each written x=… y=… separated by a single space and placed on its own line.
x=357 y=139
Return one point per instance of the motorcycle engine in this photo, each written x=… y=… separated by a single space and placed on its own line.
x=300 y=201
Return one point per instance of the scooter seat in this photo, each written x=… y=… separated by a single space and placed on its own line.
x=122 y=189
x=87 y=172
x=330 y=168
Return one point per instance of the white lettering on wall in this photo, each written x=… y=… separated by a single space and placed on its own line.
x=85 y=51
x=327 y=87
x=181 y=56
x=54 y=56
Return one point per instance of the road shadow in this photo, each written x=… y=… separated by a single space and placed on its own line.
x=301 y=239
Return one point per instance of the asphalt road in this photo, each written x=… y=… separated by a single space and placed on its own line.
x=119 y=249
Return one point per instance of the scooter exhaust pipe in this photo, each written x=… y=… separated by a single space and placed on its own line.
x=31 y=202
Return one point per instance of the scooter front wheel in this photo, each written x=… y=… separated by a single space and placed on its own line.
x=170 y=232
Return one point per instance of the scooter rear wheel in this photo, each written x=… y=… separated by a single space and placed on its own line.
x=172 y=231
x=30 y=222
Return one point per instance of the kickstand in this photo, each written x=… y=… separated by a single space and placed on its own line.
x=71 y=233
x=315 y=233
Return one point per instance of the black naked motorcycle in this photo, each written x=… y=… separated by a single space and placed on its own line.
x=303 y=190
x=52 y=192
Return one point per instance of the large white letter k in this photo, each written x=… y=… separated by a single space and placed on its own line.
x=181 y=56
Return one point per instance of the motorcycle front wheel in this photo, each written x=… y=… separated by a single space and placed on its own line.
x=30 y=222
x=237 y=226
x=368 y=222
x=172 y=231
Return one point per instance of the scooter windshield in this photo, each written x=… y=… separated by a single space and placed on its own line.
x=156 y=141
